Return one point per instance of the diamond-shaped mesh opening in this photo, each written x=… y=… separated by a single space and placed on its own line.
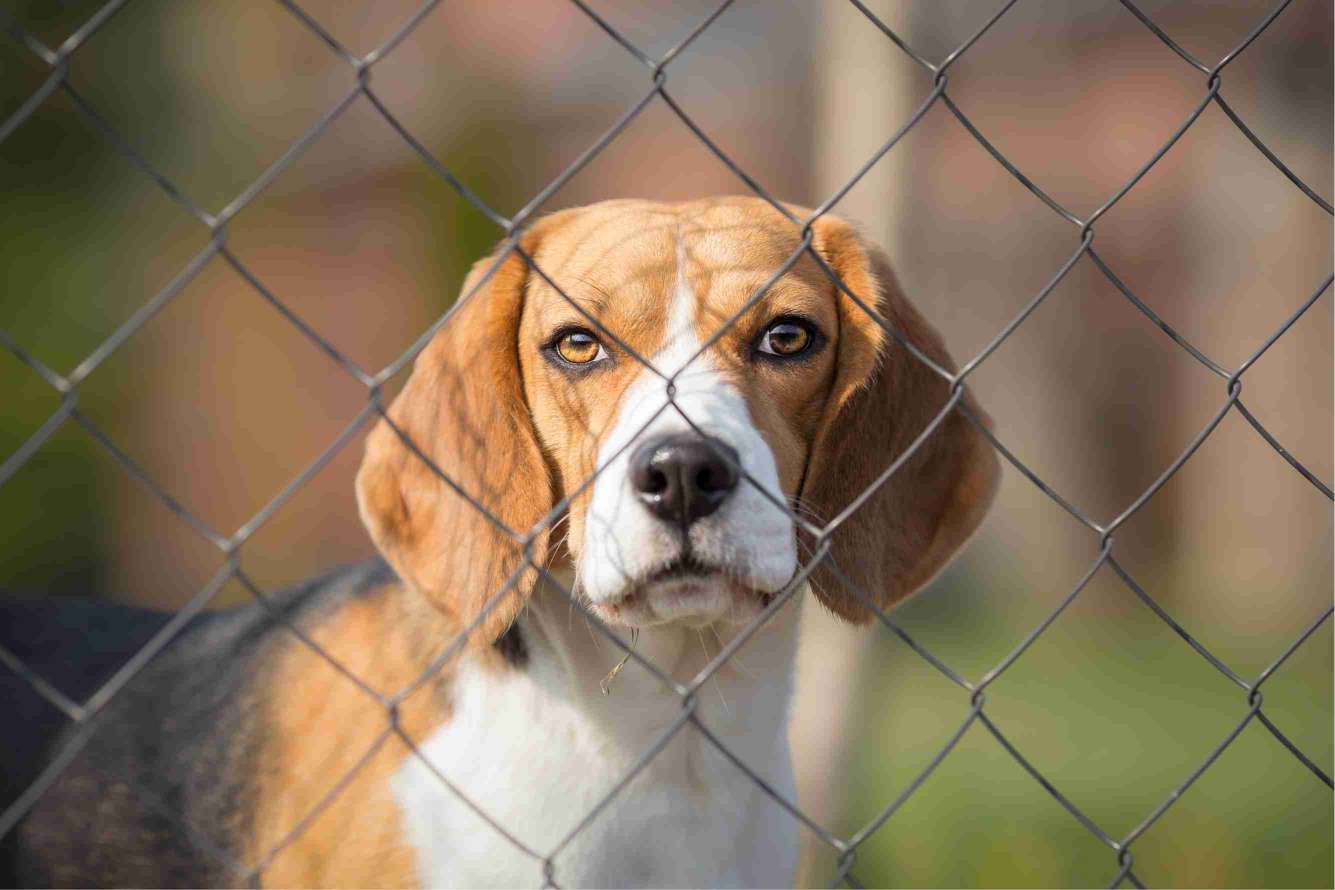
x=265 y=146
x=957 y=828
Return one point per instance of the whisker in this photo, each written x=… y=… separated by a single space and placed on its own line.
x=718 y=687
x=704 y=647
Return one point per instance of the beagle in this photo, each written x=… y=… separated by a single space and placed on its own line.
x=503 y=763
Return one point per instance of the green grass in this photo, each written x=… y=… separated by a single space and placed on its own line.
x=1116 y=712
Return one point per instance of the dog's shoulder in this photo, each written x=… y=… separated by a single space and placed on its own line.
x=157 y=788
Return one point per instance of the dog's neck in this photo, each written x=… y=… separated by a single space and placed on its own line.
x=746 y=698
x=593 y=778
x=533 y=739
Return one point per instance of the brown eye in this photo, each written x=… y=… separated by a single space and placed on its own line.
x=786 y=339
x=579 y=348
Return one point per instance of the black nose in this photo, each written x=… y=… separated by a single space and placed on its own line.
x=683 y=477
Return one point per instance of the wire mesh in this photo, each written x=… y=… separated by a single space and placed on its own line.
x=972 y=699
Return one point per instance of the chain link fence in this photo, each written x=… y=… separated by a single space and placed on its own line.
x=971 y=704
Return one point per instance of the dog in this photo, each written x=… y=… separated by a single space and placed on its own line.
x=345 y=734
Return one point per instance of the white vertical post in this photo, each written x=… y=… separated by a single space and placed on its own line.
x=861 y=100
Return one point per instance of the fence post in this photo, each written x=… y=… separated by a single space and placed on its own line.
x=860 y=100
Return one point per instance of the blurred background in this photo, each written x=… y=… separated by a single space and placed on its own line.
x=222 y=401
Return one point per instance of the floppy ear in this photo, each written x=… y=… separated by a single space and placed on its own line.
x=464 y=408
x=882 y=398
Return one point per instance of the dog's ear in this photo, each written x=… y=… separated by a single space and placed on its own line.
x=882 y=398
x=464 y=409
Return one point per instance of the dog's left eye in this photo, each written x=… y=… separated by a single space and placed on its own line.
x=579 y=347
x=786 y=338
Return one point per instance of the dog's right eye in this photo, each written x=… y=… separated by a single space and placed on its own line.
x=578 y=347
x=788 y=337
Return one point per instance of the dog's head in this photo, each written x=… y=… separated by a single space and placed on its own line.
x=676 y=481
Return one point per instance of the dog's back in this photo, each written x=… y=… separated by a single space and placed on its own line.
x=157 y=795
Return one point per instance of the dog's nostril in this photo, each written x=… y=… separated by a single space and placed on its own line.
x=713 y=479
x=655 y=482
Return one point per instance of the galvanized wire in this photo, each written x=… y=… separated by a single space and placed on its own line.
x=972 y=698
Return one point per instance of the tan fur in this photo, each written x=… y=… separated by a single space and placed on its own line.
x=518 y=434
x=322 y=725
x=883 y=398
x=463 y=408
x=619 y=262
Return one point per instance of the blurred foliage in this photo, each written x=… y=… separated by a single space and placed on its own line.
x=63 y=197
x=1116 y=711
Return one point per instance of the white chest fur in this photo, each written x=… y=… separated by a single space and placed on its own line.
x=539 y=748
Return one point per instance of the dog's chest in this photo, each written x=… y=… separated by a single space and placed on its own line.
x=540 y=767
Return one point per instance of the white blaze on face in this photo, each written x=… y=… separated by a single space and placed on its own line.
x=748 y=537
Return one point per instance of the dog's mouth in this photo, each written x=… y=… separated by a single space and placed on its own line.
x=682 y=568
x=685 y=589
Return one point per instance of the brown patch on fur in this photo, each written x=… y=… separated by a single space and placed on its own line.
x=321 y=725
x=464 y=409
x=883 y=398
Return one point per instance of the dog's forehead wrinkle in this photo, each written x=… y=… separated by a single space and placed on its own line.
x=669 y=280
x=608 y=243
